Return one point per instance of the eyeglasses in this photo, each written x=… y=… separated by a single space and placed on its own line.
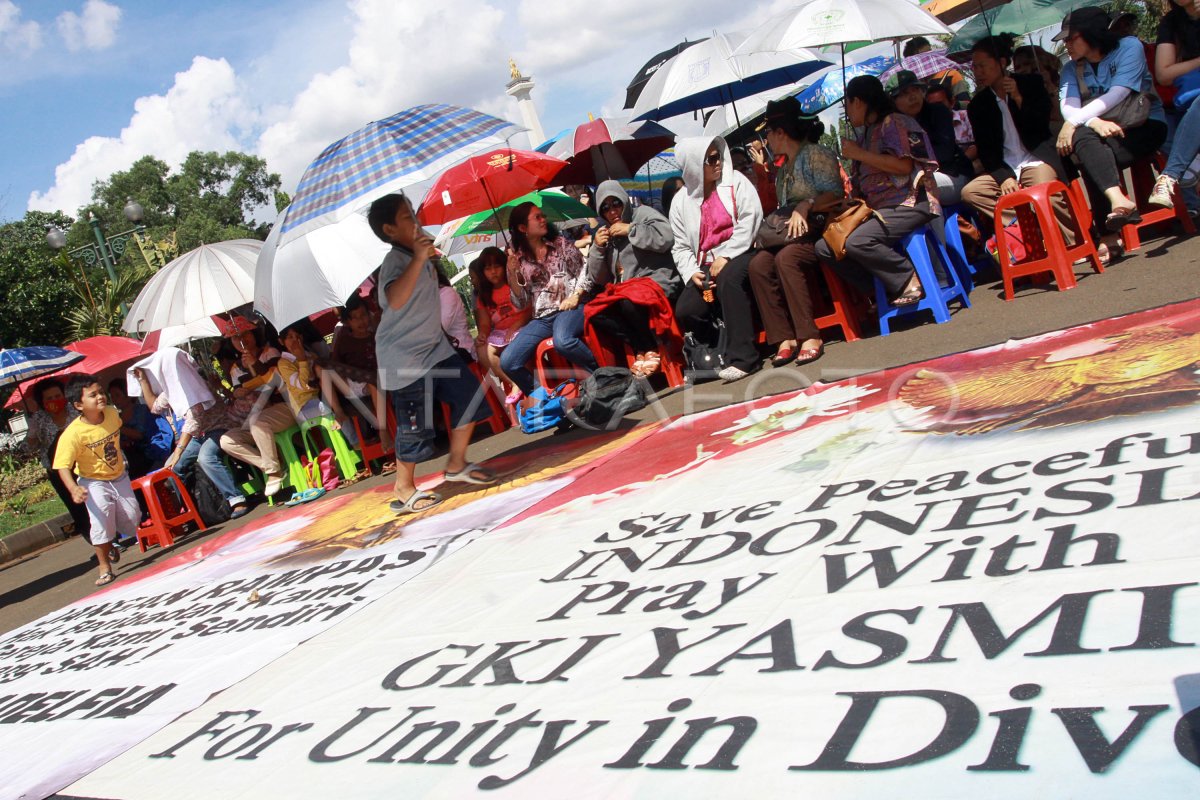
x=712 y=159
x=611 y=205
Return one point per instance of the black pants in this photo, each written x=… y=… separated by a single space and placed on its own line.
x=78 y=511
x=1103 y=158
x=628 y=322
x=871 y=250
x=734 y=304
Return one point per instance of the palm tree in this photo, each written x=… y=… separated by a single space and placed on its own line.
x=100 y=313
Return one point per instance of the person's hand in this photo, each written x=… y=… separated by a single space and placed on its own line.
x=172 y=459
x=618 y=228
x=972 y=151
x=757 y=151
x=797 y=224
x=569 y=302
x=78 y=494
x=1105 y=128
x=602 y=237
x=717 y=266
x=139 y=375
x=1010 y=88
x=698 y=280
x=241 y=391
x=1066 y=136
x=1009 y=186
x=423 y=249
x=852 y=150
x=514 y=263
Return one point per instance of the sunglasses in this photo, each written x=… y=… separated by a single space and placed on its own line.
x=712 y=160
x=610 y=205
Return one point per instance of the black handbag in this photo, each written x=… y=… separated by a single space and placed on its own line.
x=703 y=360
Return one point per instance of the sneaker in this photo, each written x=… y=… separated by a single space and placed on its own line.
x=1163 y=194
x=274 y=484
x=731 y=374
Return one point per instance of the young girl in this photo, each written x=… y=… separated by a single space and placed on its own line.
x=495 y=315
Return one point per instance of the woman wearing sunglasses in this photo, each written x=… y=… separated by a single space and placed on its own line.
x=714 y=220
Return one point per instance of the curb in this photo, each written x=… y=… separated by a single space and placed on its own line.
x=33 y=538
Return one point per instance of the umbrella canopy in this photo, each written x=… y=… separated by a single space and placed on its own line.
x=450 y=244
x=208 y=280
x=1017 y=16
x=487 y=181
x=608 y=148
x=814 y=23
x=315 y=272
x=952 y=11
x=710 y=74
x=557 y=207
x=830 y=87
x=386 y=156
x=179 y=334
x=98 y=353
x=634 y=90
x=25 y=363
x=924 y=65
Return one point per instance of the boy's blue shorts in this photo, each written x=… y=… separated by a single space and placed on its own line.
x=451 y=382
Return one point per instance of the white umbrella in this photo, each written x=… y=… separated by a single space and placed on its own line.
x=813 y=23
x=709 y=74
x=451 y=245
x=317 y=271
x=209 y=280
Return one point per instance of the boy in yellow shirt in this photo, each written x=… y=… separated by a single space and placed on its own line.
x=90 y=447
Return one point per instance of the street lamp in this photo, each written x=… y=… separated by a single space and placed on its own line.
x=108 y=249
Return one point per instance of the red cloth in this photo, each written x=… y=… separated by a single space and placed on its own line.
x=639 y=291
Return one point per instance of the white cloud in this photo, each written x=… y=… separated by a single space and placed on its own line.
x=94 y=28
x=17 y=37
x=203 y=110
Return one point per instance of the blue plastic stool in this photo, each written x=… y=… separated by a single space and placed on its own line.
x=958 y=251
x=939 y=293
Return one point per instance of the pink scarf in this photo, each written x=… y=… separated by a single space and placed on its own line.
x=716 y=225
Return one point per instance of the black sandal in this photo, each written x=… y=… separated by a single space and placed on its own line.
x=1120 y=217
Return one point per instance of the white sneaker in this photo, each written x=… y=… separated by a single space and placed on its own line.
x=273 y=485
x=731 y=374
x=1164 y=192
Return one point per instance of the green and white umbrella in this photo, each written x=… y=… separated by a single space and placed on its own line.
x=557 y=207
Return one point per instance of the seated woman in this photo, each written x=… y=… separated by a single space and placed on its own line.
x=1106 y=71
x=495 y=316
x=954 y=168
x=1011 y=114
x=146 y=438
x=301 y=384
x=890 y=172
x=1033 y=60
x=543 y=269
x=170 y=383
x=632 y=244
x=1177 y=62
x=715 y=219
x=809 y=178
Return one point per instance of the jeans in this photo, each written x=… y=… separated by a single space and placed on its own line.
x=206 y=451
x=565 y=327
x=1183 y=145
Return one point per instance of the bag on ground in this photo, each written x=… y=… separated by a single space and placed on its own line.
x=548 y=409
x=605 y=397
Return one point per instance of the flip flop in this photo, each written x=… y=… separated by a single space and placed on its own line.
x=810 y=354
x=783 y=357
x=409 y=506
x=105 y=579
x=464 y=476
x=306 y=496
x=114 y=554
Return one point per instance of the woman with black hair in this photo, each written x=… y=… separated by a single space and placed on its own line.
x=1107 y=70
x=893 y=172
x=809 y=178
x=1177 y=62
x=545 y=273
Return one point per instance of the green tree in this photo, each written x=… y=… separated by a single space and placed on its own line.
x=36 y=285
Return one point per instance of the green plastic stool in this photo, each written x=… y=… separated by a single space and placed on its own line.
x=253 y=482
x=295 y=475
x=347 y=459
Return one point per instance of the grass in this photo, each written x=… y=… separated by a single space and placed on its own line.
x=33 y=505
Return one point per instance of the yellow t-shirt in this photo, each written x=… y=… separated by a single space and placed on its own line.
x=93 y=450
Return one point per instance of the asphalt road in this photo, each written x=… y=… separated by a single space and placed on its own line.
x=1164 y=271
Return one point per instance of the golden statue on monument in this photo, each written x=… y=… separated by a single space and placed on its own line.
x=512 y=68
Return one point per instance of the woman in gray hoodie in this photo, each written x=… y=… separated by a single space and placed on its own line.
x=715 y=220
x=630 y=243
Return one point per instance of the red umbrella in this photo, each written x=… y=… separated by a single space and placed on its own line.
x=99 y=354
x=608 y=148
x=487 y=181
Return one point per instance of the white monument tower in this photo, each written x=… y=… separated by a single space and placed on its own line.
x=519 y=88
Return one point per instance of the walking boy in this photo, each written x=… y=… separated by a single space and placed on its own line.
x=417 y=363
x=91 y=447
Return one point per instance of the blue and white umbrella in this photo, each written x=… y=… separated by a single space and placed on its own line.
x=830 y=87
x=22 y=363
x=387 y=156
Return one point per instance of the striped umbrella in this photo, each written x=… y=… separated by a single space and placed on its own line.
x=387 y=156
x=23 y=363
x=211 y=279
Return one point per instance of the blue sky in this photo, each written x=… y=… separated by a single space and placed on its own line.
x=282 y=79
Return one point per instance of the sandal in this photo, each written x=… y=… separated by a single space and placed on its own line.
x=638 y=366
x=651 y=361
x=810 y=354
x=467 y=475
x=114 y=555
x=105 y=579
x=409 y=506
x=783 y=357
x=1120 y=217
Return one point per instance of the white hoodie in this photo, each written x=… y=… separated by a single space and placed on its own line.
x=736 y=192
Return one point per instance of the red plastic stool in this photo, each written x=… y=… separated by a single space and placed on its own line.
x=499 y=420
x=169 y=515
x=845 y=310
x=547 y=356
x=610 y=353
x=1046 y=250
x=1143 y=174
x=372 y=451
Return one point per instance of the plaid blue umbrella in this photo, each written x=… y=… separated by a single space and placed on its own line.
x=22 y=363
x=830 y=87
x=386 y=156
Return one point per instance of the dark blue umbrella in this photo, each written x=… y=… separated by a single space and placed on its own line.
x=387 y=156
x=830 y=87
x=22 y=363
